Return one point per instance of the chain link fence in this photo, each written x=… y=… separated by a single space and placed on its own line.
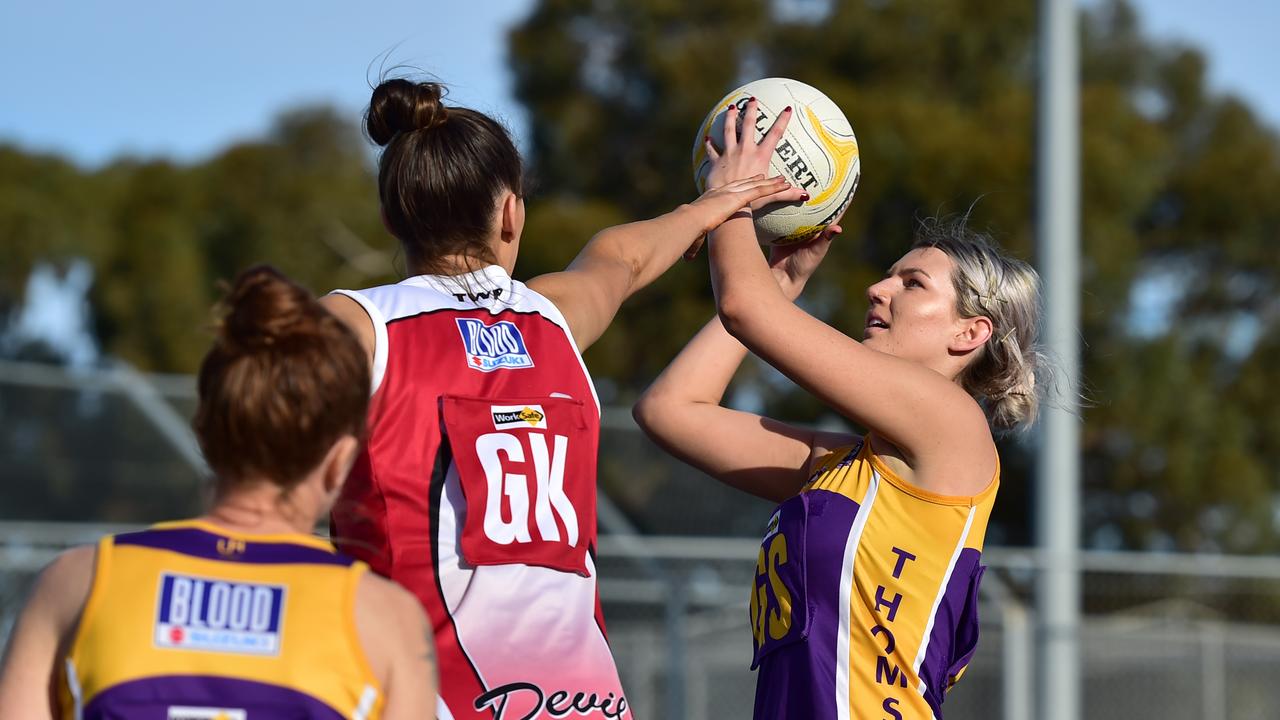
x=1163 y=636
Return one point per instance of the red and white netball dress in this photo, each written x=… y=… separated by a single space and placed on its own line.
x=477 y=492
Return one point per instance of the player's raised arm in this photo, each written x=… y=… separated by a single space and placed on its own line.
x=620 y=260
x=682 y=411
x=878 y=383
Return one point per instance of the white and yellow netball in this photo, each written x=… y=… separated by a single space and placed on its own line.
x=818 y=152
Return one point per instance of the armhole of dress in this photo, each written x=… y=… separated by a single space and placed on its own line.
x=97 y=588
x=379 y=336
x=553 y=313
x=820 y=465
x=886 y=473
x=370 y=699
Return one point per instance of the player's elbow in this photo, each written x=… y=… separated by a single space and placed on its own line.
x=647 y=412
x=658 y=412
x=736 y=312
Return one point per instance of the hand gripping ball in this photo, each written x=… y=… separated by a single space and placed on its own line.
x=818 y=152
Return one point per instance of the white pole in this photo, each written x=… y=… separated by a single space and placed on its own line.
x=1213 y=668
x=1058 y=462
x=1018 y=652
x=1017 y=699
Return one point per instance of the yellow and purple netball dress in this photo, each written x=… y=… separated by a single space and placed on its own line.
x=186 y=621
x=864 y=604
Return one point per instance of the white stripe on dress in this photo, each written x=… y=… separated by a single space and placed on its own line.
x=365 y=705
x=77 y=695
x=942 y=592
x=846 y=590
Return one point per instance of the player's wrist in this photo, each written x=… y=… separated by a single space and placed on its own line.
x=695 y=221
x=791 y=287
x=738 y=225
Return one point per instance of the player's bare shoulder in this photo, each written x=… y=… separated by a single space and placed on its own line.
x=399 y=645
x=354 y=316
x=64 y=585
x=386 y=599
x=390 y=621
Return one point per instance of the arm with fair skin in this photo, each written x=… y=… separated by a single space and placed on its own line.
x=939 y=430
x=354 y=317
x=681 y=410
x=40 y=637
x=398 y=641
x=621 y=260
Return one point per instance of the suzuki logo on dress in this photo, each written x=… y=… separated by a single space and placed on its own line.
x=499 y=346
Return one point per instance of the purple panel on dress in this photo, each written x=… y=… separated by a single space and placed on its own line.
x=797 y=680
x=212 y=546
x=955 y=629
x=152 y=698
x=779 y=586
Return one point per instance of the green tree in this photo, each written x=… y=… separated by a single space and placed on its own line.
x=1181 y=193
x=1179 y=186
x=161 y=236
x=50 y=211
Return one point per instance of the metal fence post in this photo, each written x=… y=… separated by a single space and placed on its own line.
x=1017 y=650
x=677 y=608
x=1213 y=660
x=1018 y=655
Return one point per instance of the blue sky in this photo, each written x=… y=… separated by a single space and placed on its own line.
x=182 y=79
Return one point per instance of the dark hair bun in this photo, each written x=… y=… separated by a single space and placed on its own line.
x=401 y=106
x=265 y=309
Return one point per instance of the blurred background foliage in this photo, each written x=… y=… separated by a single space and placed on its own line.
x=1181 y=216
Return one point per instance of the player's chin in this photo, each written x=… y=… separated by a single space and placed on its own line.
x=875 y=338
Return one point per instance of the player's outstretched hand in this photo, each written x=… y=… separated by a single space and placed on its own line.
x=742 y=156
x=718 y=204
x=794 y=264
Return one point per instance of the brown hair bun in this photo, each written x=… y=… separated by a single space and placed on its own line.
x=284 y=380
x=262 y=309
x=401 y=106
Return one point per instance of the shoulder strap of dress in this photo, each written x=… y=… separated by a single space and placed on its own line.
x=379 y=335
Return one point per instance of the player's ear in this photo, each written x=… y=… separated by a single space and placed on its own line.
x=511 y=216
x=338 y=462
x=972 y=334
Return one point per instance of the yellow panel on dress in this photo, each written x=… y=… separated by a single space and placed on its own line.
x=206 y=623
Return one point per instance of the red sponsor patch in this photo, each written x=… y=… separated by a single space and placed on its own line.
x=529 y=486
